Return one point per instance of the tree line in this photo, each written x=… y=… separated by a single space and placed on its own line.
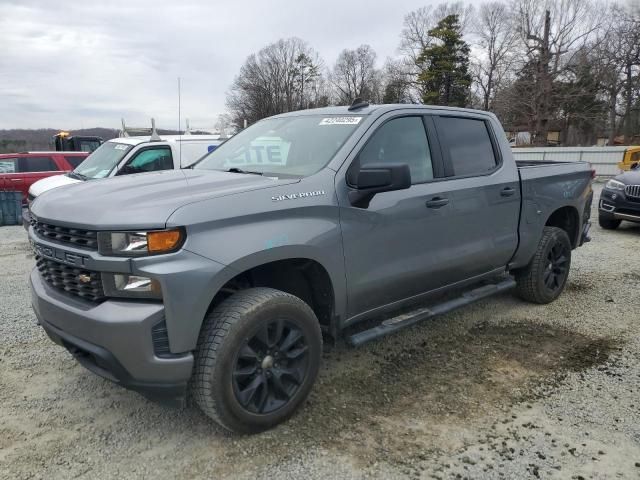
x=568 y=65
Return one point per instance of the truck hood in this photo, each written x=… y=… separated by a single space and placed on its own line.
x=48 y=183
x=140 y=201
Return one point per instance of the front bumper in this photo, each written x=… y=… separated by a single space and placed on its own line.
x=114 y=340
x=615 y=205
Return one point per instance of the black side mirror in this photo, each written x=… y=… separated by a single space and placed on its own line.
x=375 y=178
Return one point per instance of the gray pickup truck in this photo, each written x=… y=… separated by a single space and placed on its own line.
x=219 y=281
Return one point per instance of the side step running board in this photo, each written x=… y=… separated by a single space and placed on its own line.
x=404 y=320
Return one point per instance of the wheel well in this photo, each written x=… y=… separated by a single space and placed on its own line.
x=567 y=219
x=302 y=277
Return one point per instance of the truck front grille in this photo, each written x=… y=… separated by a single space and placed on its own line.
x=632 y=191
x=75 y=281
x=71 y=236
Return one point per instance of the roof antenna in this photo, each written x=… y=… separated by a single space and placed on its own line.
x=357 y=104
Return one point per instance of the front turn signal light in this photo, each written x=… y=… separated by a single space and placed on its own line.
x=163 y=241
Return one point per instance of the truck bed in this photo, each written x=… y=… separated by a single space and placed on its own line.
x=544 y=184
x=542 y=163
x=532 y=169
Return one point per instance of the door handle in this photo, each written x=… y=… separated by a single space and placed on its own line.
x=437 y=202
x=507 y=191
x=16 y=179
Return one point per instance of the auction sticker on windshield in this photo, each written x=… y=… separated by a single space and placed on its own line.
x=340 y=121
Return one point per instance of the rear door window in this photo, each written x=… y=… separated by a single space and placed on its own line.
x=466 y=143
x=150 y=160
x=36 y=164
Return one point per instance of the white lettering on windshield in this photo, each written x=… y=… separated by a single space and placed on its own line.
x=340 y=121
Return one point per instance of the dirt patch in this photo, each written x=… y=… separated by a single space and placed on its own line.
x=582 y=284
x=399 y=385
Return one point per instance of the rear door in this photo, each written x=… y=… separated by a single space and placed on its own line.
x=483 y=190
x=32 y=168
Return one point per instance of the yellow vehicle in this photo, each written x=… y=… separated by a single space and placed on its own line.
x=631 y=158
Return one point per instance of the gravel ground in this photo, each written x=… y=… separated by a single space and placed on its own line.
x=501 y=389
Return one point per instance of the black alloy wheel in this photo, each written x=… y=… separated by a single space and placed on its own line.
x=557 y=267
x=270 y=367
x=257 y=358
x=546 y=275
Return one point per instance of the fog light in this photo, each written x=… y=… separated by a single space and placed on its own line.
x=130 y=286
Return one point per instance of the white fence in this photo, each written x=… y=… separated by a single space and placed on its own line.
x=603 y=159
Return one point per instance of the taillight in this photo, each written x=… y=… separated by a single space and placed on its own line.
x=593 y=173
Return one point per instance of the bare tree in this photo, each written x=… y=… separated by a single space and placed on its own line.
x=396 y=83
x=553 y=32
x=279 y=78
x=354 y=75
x=630 y=60
x=496 y=38
x=610 y=71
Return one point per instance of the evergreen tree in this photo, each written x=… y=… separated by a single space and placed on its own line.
x=446 y=79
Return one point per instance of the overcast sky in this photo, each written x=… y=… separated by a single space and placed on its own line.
x=85 y=63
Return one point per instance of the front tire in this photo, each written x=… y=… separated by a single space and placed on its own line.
x=544 y=279
x=257 y=358
x=608 y=223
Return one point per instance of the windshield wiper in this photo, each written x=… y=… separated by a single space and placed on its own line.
x=239 y=170
x=77 y=176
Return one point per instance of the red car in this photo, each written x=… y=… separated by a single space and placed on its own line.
x=19 y=170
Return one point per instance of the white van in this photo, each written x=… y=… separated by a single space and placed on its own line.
x=126 y=155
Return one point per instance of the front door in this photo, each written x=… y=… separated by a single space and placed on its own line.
x=395 y=248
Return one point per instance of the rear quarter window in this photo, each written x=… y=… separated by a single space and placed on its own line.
x=467 y=144
x=36 y=164
x=8 y=165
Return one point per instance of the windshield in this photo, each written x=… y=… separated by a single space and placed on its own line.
x=296 y=146
x=100 y=163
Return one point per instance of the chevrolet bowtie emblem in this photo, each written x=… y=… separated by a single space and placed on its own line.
x=84 y=278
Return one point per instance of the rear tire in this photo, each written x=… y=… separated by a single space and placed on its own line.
x=608 y=223
x=257 y=358
x=544 y=279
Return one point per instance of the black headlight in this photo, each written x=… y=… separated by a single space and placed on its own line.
x=138 y=244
